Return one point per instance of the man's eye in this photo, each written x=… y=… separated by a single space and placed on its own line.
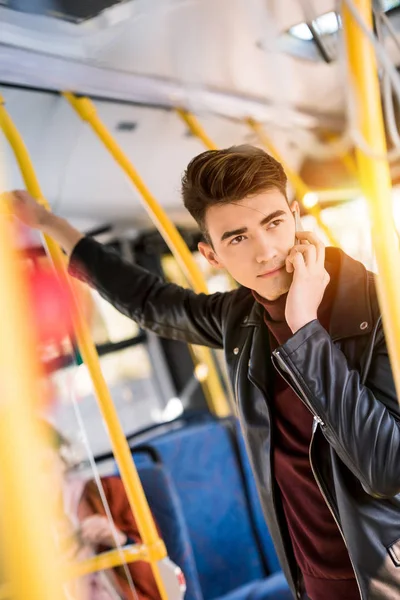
x=237 y=240
x=276 y=223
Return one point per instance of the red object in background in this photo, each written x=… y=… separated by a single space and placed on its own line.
x=51 y=306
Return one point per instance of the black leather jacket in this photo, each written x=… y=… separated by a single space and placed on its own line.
x=343 y=377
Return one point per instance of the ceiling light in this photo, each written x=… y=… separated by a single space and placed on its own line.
x=310 y=200
x=326 y=24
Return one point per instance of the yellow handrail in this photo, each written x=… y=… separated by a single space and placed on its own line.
x=5 y=592
x=345 y=156
x=29 y=560
x=195 y=127
x=135 y=494
x=108 y=560
x=87 y=111
x=375 y=175
x=98 y=562
x=300 y=188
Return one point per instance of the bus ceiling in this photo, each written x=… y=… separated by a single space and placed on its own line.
x=233 y=64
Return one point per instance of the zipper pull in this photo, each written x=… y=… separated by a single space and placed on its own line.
x=317 y=421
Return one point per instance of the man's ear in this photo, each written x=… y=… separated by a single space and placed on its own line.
x=295 y=207
x=210 y=255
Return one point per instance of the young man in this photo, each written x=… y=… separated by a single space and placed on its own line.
x=308 y=362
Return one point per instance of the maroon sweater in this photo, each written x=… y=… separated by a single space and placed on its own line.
x=318 y=546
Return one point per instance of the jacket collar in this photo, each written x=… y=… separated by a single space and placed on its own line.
x=351 y=313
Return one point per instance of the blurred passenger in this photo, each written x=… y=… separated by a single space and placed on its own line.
x=87 y=530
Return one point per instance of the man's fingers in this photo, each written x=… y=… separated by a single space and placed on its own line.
x=299 y=264
x=313 y=239
x=309 y=252
x=295 y=260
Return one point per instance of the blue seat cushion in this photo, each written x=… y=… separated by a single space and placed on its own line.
x=274 y=587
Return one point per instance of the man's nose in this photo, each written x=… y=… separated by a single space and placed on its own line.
x=265 y=251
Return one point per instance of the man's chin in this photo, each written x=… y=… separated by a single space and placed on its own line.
x=273 y=292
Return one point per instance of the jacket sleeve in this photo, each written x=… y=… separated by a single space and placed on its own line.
x=361 y=422
x=164 y=308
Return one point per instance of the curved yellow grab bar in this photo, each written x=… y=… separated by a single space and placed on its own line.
x=107 y=560
x=136 y=497
x=375 y=176
x=87 y=111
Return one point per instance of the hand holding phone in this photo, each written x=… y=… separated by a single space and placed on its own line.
x=306 y=261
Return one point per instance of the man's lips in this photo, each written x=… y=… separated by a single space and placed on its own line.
x=270 y=273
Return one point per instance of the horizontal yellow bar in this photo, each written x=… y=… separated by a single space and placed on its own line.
x=339 y=194
x=108 y=560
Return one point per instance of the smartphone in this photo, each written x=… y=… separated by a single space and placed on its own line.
x=298 y=225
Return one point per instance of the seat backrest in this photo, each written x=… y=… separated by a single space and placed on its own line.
x=205 y=469
x=265 y=541
x=167 y=510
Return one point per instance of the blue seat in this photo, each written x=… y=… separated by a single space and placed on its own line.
x=167 y=510
x=273 y=587
x=232 y=551
x=265 y=540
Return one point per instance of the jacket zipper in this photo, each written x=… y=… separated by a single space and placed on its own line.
x=281 y=366
x=269 y=415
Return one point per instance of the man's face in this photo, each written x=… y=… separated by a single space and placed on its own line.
x=251 y=239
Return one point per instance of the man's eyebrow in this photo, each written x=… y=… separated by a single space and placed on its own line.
x=241 y=230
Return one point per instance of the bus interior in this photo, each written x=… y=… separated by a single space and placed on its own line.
x=103 y=105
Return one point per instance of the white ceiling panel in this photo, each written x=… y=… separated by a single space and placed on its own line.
x=80 y=178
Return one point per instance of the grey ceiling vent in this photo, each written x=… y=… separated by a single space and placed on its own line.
x=69 y=10
x=126 y=126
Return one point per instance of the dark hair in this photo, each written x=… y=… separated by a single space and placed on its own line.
x=229 y=175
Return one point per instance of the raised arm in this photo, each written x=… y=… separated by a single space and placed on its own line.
x=32 y=214
x=167 y=309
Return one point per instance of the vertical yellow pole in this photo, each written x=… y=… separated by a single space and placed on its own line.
x=87 y=111
x=375 y=175
x=29 y=560
x=120 y=447
x=300 y=188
